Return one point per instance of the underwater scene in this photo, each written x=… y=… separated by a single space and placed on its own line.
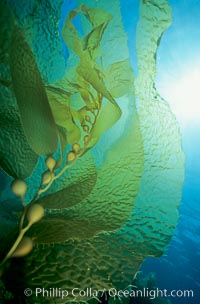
x=99 y=151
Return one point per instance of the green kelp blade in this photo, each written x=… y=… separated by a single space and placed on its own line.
x=108 y=116
x=119 y=78
x=16 y=157
x=74 y=186
x=36 y=116
x=69 y=196
x=58 y=229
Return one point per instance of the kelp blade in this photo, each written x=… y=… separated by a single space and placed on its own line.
x=17 y=158
x=36 y=116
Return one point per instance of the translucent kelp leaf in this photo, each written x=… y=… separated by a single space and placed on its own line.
x=112 y=199
x=119 y=78
x=107 y=117
x=36 y=116
x=17 y=158
x=162 y=181
x=77 y=185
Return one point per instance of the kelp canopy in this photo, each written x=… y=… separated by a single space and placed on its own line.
x=114 y=201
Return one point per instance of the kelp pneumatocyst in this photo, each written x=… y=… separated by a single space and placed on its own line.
x=19 y=187
x=50 y=163
x=24 y=247
x=35 y=213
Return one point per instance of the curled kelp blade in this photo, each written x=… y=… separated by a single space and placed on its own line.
x=86 y=68
x=108 y=116
x=88 y=74
x=60 y=105
x=17 y=158
x=36 y=115
x=96 y=15
x=92 y=40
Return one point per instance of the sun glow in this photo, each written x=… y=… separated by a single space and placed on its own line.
x=183 y=95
